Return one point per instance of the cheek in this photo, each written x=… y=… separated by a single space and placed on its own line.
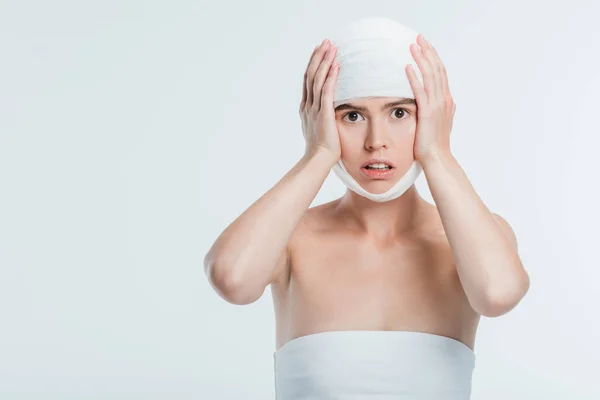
x=410 y=127
x=351 y=141
x=405 y=136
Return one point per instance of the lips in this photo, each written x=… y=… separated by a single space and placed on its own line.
x=378 y=173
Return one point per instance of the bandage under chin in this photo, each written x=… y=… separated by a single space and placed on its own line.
x=373 y=53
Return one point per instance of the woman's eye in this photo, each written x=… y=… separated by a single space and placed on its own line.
x=353 y=116
x=399 y=113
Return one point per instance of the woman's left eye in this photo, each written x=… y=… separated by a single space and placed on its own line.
x=398 y=111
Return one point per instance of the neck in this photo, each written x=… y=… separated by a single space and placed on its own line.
x=385 y=220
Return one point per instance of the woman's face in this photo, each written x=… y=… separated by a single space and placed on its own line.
x=377 y=128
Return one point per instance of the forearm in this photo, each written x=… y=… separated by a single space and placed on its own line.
x=488 y=264
x=247 y=251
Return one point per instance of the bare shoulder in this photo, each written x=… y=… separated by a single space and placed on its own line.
x=435 y=227
x=315 y=219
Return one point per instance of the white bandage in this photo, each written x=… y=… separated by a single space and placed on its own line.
x=373 y=53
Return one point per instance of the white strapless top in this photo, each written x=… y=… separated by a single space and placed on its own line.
x=360 y=365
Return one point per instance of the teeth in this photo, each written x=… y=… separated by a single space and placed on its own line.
x=378 y=166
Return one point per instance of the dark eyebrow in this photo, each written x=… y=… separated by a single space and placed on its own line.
x=349 y=106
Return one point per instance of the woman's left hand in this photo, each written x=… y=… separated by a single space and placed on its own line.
x=435 y=106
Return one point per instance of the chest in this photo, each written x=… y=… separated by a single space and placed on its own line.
x=403 y=279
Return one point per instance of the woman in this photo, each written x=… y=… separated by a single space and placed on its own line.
x=378 y=292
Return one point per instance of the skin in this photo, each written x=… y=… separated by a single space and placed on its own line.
x=354 y=264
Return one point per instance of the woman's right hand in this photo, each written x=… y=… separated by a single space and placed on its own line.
x=316 y=108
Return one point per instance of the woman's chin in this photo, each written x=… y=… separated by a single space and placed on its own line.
x=377 y=186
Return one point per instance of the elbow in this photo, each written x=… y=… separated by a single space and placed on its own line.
x=496 y=308
x=500 y=302
x=225 y=284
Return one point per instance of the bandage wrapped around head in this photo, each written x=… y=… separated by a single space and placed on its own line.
x=373 y=53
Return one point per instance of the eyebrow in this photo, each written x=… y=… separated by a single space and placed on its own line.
x=348 y=106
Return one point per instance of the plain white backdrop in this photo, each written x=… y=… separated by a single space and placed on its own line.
x=132 y=133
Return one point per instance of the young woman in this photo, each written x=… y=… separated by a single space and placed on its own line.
x=378 y=292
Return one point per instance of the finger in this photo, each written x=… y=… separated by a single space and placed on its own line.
x=304 y=91
x=435 y=63
x=312 y=68
x=321 y=75
x=442 y=74
x=329 y=87
x=417 y=88
x=426 y=70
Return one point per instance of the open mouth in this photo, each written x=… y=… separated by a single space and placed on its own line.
x=378 y=171
x=378 y=168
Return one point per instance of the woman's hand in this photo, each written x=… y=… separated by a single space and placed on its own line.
x=435 y=106
x=316 y=108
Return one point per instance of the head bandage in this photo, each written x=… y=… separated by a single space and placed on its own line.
x=373 y=54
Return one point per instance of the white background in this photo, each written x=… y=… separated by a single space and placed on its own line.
x=132 y=133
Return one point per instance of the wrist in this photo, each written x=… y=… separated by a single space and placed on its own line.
x=323 y=156
x=434 y=155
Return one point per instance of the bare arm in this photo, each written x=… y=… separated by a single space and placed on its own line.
x=252 y=251
x=483 y=243
x=242 y=261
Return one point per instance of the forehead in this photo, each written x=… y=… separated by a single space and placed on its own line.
x=375 y=101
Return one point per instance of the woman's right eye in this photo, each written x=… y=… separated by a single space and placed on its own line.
x=352 y=114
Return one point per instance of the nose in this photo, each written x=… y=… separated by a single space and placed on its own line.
x=377 y=136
